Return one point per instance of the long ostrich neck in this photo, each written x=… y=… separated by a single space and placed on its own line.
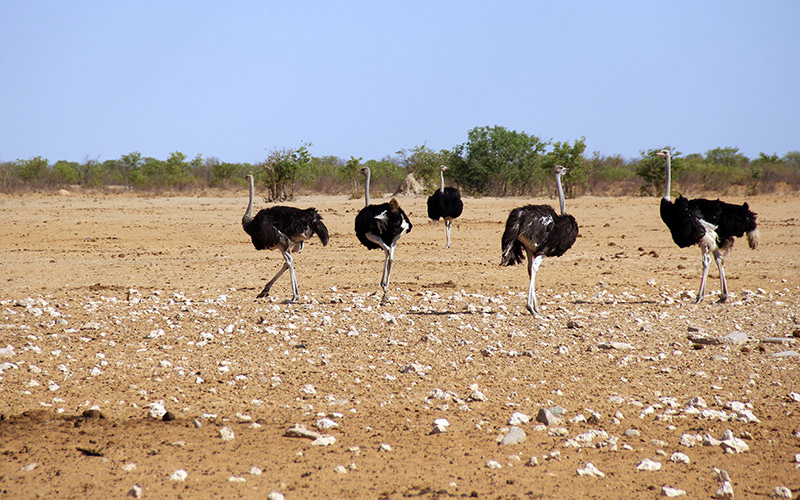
x=441 y=172
x=248 y=214
x=561 y=195
x=366 y=191
x=669 y=179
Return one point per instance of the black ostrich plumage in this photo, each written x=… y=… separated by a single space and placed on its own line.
x=384 y=220
x=683 y=218
x=445 y=204
x=548 y=233
x=284 y=226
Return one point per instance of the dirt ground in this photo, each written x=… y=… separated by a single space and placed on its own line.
x=128 y=304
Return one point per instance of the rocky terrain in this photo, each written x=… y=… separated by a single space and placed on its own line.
x=135 y=359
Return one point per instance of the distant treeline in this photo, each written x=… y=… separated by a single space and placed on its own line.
x=494 y=161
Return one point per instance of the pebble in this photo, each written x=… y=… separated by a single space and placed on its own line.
x=632 y=433
x=493 y=464
x=782 y=492
x=725 y=491
x=226 y=433
x=672 y=492
x=135 y=491
x=549 y=416
x=518 y=418
x=735 y=338
x=179 y=475
x=732 y=444
x=591 y=471
x=515 y=435
x=649 y=465
x=157 y=410
x=619 y=346
x=326 y=423
x=440 y=426
x=323 y=441
x=275 y=496
x=786 y=354
x=680 y=458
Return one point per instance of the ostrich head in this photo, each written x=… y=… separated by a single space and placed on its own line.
x=561 y=170
x=665 y=153
x=363 y=170
x=442 y=168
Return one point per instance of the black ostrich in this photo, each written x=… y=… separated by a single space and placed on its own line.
x=540 y=232
x=284 y=229
x=445 y=204
x=710 y=224
x=380 y=226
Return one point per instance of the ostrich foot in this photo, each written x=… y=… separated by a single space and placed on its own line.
x=534 y=310
x=264 y=293
x=698 y=299
x=722 y=298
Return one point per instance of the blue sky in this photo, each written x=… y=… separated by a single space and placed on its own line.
x=234 y=80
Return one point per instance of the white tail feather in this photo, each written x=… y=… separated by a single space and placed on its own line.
x=752 y=238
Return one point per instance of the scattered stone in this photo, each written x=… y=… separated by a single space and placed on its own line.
x=518 y=418
x=782 y=492
x=732 y=444
x=794 y=397
x=275 y=496
x=779 y=340
x=477 y=395
x=323 y=441
x=179 y=475
x=735 y=338
x=786 y=354
x=168 y=417
x=297 y=430
x=649 y=465
x=591 y=471
x=226 y=433
x=340 y=469
x=383 y=447
x=550 y=416
x=680 y=458
x=130 y=467
x=236 y=479
x=326 y=423
x=493 y=464
x=632 y=433
x=672 y=492
x=255 y=471
x=533 y=462
x=93 y=413
x=440 y=426
x=515 y=435
x=619 y=346
x=725 y=491
x=135 y=491
x=157 y=410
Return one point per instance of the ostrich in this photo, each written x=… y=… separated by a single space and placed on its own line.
x=380 y=226
x=445 y=203
x=710 y=224
x=541 y=232
x=284 y=229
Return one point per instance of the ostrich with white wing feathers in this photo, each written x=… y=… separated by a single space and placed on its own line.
x=540 y=232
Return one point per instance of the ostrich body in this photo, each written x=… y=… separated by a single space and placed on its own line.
x=380 y=226
x=445 y=204
x=284 y=229
x=540 y=232
x=710 y=224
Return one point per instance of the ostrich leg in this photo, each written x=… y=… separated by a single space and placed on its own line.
x=704 y=277
x=448 y=224
x=533 y=267
x=723 y=284
x=286 y=265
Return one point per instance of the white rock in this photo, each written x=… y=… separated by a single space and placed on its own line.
x=518 y=418
x=323 y=441
x=275 y=496
x=179 y=475
x=794 y=397
x=226 y=433
x=326 y=423
x=515 y=435
x=782 y=492
x=135 y=491
x=649 y=465
x=308 y=389
x=477 y=395
x=383 y=447
x=340 y=469
x=680 y=458
x=591 y=471
x=157 y=410
x=733 y=444
x=493 y=464
x=236 y=479
x=255 y=471
x=672 y=492
x=129 y=467
x=725 y=491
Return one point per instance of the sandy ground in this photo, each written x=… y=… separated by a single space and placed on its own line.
x=125 y=304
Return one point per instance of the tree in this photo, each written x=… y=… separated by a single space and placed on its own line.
x=280 y=170
x=497 y=160
x=424 y=163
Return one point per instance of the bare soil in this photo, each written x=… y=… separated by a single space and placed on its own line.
x=117 y=302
